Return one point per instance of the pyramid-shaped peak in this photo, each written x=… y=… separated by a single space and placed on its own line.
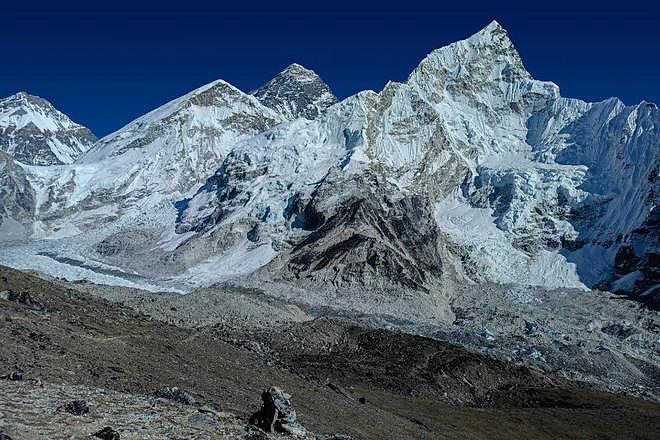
x=493 y=26
x=36 y=133
x=486 y=56
x=22 y=108
x=295 y=67
x=296 y=92
x=298 y=72
x=493 y=32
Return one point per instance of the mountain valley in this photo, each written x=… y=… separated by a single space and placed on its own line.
x=461 y=249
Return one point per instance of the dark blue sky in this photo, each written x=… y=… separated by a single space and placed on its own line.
x=106 y=64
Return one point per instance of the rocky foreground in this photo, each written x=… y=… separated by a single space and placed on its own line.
x=75 y=365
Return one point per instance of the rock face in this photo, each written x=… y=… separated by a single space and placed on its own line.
x=18 y=200
x=296 y=92
x=370 y=239
x=277 y=414
x=33 y=132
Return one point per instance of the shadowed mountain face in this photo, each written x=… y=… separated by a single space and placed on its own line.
x=368 y=239
x=18 y=199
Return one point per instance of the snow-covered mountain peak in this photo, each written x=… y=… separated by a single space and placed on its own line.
x=210 y=111
x=34 y=132
x=486 y=63
x=22 y=109
x=493 y=37
x=295 y=69
x=492 y=30
x=296 y=92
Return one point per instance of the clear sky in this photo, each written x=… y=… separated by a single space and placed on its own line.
x=106 y=64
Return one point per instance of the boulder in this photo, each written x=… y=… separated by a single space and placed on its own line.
x=75 y=407
x=277 y=414
x=175 y=394
x=106 y=433
x=12 y=375
x=20 y=297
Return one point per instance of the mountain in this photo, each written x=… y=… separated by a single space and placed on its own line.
x=523 y=186
x=296 y=92
x=33 y=132
x=437 y=206
x=526 y=186
x=136 y=173
x=139 y=170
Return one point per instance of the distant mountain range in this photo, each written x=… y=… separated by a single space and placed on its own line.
x=471 y=171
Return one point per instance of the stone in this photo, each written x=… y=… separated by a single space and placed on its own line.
x=76 y=407
x=277 y=414
x=175 y=394
x=621 y=331
x=203 y=421
x=13 y=376
x=20 y=297
x=107 y=433
x=531 y=327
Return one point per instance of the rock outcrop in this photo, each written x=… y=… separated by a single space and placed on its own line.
x=277 y=414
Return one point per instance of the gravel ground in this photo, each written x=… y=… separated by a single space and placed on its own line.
x=343 y=377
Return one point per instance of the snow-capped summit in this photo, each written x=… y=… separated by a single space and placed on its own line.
x=34 y=132
x=139 y=170
x=209 y=117
x=296 y=92
x=484 y=67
